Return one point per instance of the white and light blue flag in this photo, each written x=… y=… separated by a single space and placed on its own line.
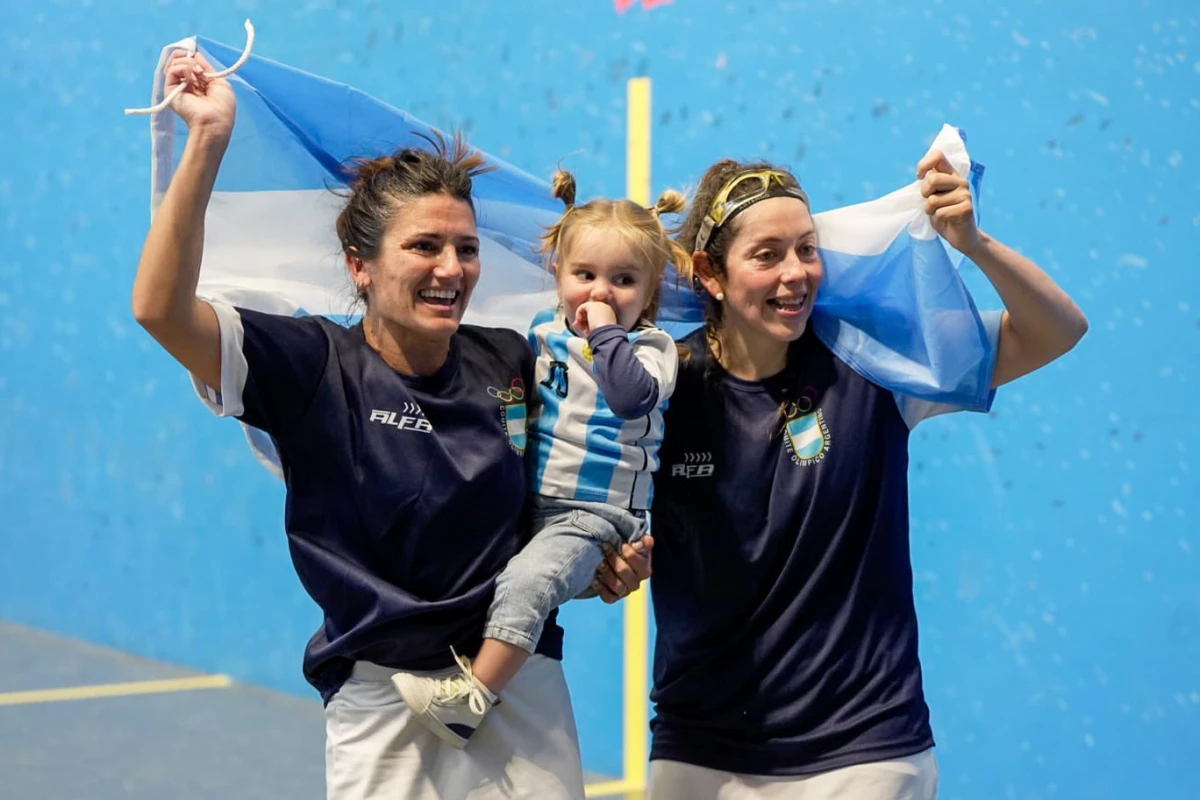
x=893 y=305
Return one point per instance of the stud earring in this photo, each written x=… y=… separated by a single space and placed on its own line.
x=720 y=296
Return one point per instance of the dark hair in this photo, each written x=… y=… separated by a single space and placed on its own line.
x=717 y=248
x=379 y=187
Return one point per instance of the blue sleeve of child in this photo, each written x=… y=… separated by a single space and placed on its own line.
x=632 y=382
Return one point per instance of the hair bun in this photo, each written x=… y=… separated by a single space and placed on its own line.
x=564 y=187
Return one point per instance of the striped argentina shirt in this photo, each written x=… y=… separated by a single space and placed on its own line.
x=597 y=432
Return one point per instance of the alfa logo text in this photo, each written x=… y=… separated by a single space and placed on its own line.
x=404 y=422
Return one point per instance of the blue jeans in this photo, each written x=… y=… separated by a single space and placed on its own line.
x=559 y=563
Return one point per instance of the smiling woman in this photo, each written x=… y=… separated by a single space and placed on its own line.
x=787 y=661
x=408 y=232
x=402 y=443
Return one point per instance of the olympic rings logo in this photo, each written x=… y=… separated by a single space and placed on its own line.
x=802 y=405
x=513 y=394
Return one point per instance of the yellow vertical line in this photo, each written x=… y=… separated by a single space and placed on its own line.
x=637 y=607
x=637 y=172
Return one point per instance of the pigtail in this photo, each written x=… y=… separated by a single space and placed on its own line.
x=563 y=188
x=671 y=201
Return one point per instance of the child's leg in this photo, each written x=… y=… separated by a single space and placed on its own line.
x=498 y=663
x=558 y=563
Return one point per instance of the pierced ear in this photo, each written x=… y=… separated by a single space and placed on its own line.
x=358 y=270
x=704 y=272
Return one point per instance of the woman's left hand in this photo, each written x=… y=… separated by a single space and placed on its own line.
x=621 y=573
x=948 y=203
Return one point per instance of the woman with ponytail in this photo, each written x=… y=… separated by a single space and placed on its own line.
x=402 y=442
x=604 y=374
x=786 y=663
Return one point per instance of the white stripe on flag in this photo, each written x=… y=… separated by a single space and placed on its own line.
x=282 y=244
x=806 y=437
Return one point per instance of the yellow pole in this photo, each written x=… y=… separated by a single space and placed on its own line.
x=637 y=606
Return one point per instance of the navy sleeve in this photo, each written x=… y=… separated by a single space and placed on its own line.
x=286 y=358
x=629 y=388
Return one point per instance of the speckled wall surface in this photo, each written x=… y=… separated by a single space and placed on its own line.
x=1055 y=542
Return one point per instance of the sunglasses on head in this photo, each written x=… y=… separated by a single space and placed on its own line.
x=771 y=183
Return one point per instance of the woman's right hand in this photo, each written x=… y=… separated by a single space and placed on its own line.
x=164 y=291
x=206 y=105
x=621 y=573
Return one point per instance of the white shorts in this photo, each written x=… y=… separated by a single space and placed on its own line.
x=527 y=746
x=911 y=778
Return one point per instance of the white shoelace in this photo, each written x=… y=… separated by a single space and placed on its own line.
x=225 y=73
x=457 y=687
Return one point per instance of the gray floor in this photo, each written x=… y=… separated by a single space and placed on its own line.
x=235 y=743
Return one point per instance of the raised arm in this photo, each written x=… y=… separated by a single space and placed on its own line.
x=1040 y=322
x=164 y=291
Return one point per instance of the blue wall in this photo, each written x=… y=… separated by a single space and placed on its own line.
x=1055 y=547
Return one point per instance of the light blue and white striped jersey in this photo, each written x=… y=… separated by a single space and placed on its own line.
x=583 y=449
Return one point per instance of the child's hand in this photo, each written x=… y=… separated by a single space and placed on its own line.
x=592 y=315
x=620 y=574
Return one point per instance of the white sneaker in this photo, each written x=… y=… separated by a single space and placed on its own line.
x=451 y=707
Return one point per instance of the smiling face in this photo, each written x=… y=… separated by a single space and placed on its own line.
x=598 y=265
x=771 y=275
x=426 y=267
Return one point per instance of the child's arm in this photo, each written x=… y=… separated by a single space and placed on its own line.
x=634 y=377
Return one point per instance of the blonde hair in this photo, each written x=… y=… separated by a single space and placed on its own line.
x=642 y=227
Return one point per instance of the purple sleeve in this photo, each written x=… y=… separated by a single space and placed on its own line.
x=628 y=387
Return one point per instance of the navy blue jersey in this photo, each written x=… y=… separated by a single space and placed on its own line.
x=405 y=495
x=787 y=633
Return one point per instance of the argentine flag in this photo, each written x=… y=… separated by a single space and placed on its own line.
x=892 y=306
x=269 y=240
